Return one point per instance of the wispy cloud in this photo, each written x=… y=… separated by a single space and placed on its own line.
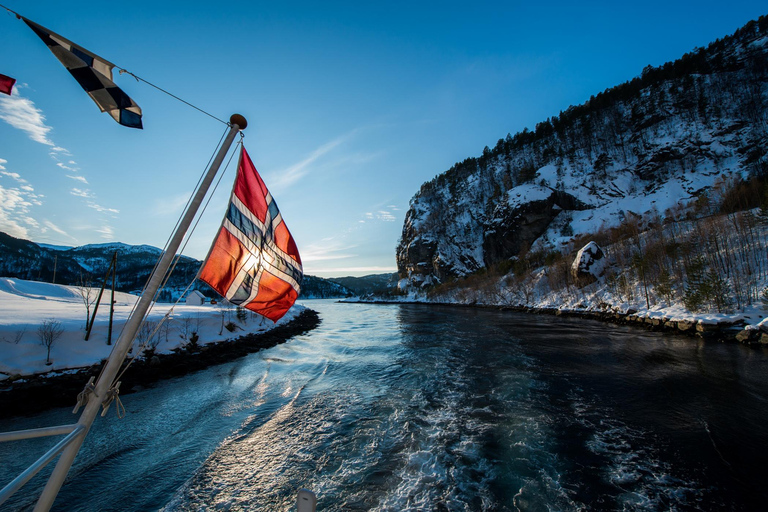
x=170 y=205
x=50 y=226
x=298 y=170
x=16 y=176
x=21 y=113
x=66 y=167
x=327 y=250
x=290 y=175
x=106 y=232
x=16 y=203
x=78 y=178
x=102 y=209
x=383 y=215
x=353 y=270
x=81 y=193
x=14 y=207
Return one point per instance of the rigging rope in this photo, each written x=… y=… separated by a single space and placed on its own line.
x=122 y=71
x=139 y=79
x=140 y=349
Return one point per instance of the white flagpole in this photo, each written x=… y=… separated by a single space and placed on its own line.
x=120 y=350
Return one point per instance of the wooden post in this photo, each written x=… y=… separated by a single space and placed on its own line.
x=98 y=300
x=112 y=299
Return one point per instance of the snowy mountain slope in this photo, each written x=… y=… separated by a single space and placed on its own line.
x=662 y=140
x=89 y=263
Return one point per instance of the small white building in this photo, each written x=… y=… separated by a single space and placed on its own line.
x=195 y=298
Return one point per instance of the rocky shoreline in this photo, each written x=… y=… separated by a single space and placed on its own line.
x=29 y=396
x=716 y=331
x=735 y=331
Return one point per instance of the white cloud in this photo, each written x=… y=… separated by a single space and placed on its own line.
x=385 y=216
x=56 y=229
x=327 y=250
x=3 y=161
x=66 y=168
x=13 y=175
x=170 y=205
x=102 y=209
x=22 y=114
x=31 y=222
x=14 y=207
x=81 y=193
x=298 y=170
x=78 y=178
x=352 y=270
x=106 y=232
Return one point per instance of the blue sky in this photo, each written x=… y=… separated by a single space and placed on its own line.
x=351 y=106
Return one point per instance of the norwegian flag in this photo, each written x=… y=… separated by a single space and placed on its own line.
x=254 y=261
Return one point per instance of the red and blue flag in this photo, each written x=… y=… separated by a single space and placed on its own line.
x=254 y=261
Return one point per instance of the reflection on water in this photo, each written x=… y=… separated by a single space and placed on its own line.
x=437 y=408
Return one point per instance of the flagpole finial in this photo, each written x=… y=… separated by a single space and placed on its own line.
x=238 y=120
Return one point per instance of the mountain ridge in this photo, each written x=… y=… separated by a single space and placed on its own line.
x=87 y=264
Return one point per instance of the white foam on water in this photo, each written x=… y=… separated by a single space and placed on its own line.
x=635 y=468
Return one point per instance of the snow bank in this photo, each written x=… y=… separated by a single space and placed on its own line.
x=25 y=305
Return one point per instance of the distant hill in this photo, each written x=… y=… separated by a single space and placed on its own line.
x=25 y=259
x=370 y=284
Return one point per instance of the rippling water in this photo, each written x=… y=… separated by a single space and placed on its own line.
x=436 y=408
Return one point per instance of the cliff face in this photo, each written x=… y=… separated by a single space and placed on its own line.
x=660 y=141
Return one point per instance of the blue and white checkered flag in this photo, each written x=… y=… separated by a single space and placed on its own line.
x=94 y=74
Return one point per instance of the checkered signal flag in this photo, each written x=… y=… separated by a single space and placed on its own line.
x=94 y=74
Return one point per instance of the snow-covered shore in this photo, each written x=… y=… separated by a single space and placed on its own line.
x=26 y=305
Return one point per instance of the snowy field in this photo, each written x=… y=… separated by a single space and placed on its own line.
x=25 y=306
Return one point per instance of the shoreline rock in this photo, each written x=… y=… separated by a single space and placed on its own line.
x=30 y=396
x=725 y=331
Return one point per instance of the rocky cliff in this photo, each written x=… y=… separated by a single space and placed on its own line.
x=663 y=140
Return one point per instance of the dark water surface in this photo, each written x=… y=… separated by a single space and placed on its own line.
x=435 y=408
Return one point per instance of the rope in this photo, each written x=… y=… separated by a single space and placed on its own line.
x=178 y=221
x=139 y=79
x=141 y=347
x=113 y=395
x=84 y=395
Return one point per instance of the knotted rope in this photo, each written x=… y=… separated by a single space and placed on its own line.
x=84 y=395
x=113 y=395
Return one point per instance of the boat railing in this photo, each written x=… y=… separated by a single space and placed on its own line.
x=72 y=432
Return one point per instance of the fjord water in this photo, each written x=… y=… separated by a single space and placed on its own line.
x=413 y=407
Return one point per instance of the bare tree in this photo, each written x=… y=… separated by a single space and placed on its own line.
x=148 y=338
x=16 y=336
x=88 y=294
x=49 y=331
